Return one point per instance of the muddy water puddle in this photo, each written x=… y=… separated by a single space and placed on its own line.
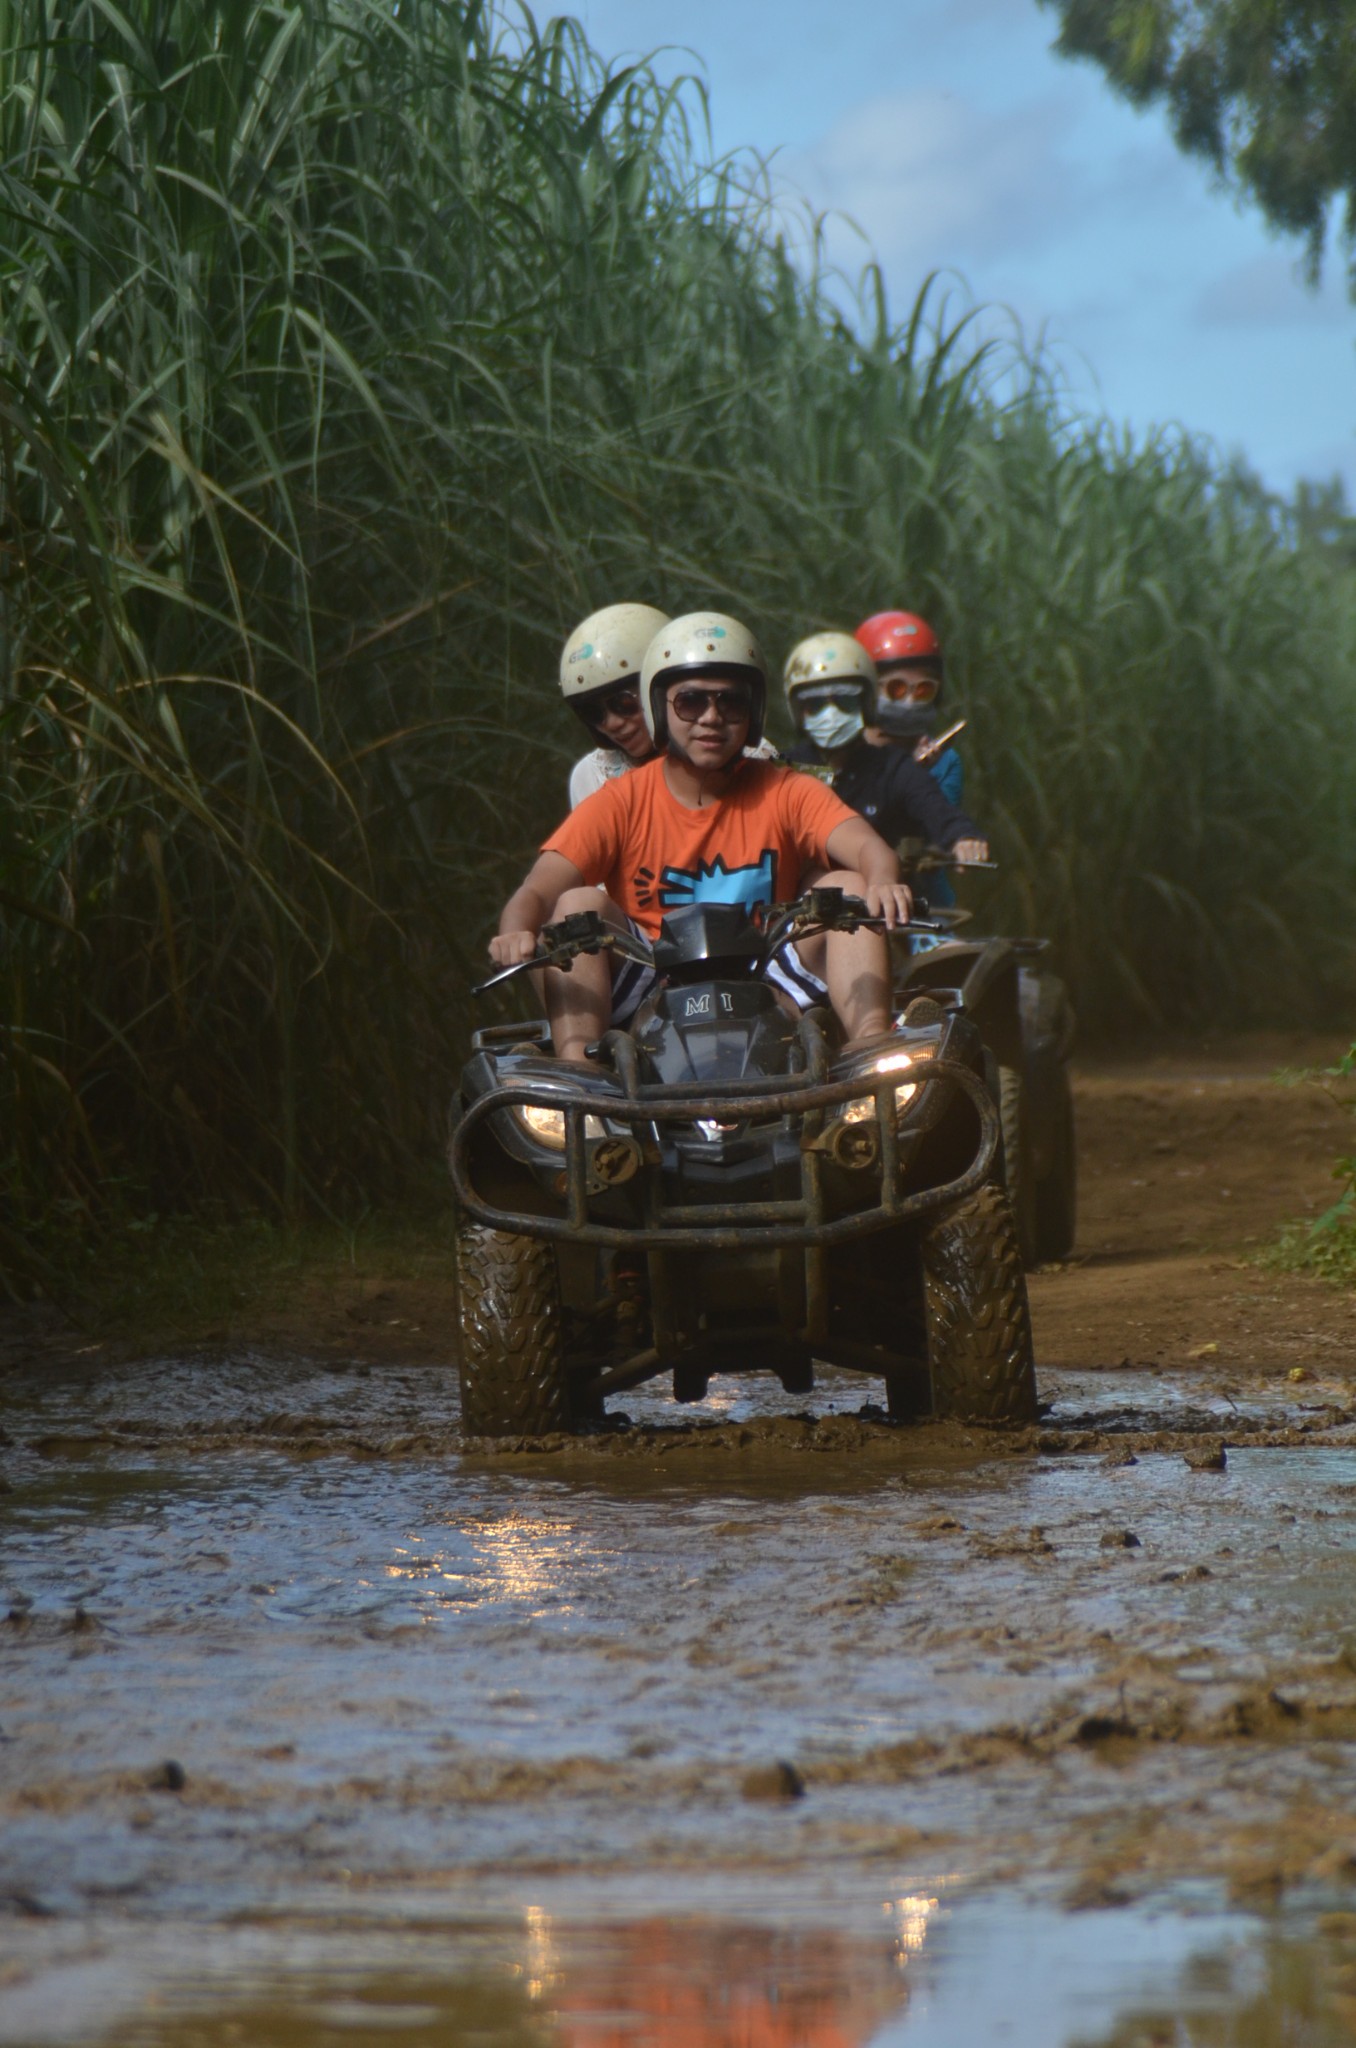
x=311 y=1725
x=916 y=1970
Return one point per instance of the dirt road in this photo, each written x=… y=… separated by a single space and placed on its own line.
x=791 y=1729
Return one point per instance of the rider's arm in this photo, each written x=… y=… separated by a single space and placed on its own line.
x=529 y=907
x=917 y=808
x=853 y=844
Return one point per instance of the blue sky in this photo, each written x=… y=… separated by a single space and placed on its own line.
x=956 y=140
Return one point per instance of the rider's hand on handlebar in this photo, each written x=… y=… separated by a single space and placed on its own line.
x=966 y=850
x=507 y=949
x=891 y=901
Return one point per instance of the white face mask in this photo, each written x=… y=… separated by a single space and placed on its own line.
x=831 y=727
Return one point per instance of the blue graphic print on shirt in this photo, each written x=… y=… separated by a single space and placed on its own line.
x=713 y=882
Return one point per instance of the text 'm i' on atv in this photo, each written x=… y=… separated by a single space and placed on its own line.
x=728 y=1192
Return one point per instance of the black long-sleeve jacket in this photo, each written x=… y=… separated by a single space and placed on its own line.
x=894 y=793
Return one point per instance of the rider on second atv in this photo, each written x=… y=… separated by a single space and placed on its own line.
x=831 y=687
x=703 y=823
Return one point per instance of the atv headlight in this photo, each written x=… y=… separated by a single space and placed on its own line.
x=547 y=1126
x=860 y=1111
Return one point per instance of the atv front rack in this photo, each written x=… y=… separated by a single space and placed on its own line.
x=716 y=1226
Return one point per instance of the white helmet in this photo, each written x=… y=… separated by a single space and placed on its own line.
x=702 y=643
x=607 y=649
x=829 y=658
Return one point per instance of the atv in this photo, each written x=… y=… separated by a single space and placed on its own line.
x=1023 y=1014
x=731 y=1190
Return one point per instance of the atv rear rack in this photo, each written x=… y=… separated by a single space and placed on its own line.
x=717 y=1226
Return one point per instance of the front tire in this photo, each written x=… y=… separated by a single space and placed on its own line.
x=978 y=1320
x=512 y=1349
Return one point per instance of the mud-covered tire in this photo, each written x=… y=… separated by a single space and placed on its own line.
x=1018 y=1162
x=1056 y=1202
x=512 y=1338
x=978 y=1321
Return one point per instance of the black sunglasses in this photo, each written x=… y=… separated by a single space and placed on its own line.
x=623 y=702
x=843 y=696
x=690 y=704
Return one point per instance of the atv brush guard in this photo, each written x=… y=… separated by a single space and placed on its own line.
x=593 y=1166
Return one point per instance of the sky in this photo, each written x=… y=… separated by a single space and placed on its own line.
x=947 y=135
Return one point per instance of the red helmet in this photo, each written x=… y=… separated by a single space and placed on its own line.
x=897 y=636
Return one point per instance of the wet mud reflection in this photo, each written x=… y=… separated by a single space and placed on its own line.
x=282 y=1669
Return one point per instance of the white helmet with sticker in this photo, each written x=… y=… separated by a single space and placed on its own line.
x=605 y=650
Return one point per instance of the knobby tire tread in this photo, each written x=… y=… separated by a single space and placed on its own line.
x=978 y=1318
x=512 y=1349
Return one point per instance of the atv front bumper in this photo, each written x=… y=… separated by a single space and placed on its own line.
x=589 y=1171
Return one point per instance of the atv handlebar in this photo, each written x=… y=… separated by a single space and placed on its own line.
x=559 y=945
x=933 y=858
x=587 y=931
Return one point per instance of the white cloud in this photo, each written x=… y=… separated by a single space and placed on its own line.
x=1269 y=291
x=934 y=182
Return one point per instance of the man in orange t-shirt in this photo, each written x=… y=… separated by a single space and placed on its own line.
x=701 y=823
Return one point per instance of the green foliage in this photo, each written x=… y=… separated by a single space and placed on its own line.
x=350 y=354
x=1327 y=1246
x=1265 y=90
x=156 y=1283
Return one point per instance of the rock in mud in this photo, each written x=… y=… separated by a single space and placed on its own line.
x=167 y=1777
x=1122 y=1455
x=1209 y=1456
x=773 y=1782
x=1120 y=1539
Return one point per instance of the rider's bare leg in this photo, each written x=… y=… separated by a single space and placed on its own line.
x=579 y=1003
x=855 y=965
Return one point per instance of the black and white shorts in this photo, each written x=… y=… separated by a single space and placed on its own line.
x=632 y=980
x=789 y=972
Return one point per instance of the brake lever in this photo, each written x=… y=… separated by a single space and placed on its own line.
x=568 y=951
x=481 y=988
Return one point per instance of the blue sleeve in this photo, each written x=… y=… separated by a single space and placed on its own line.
x=948 y=772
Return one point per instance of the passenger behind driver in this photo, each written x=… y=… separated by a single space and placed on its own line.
x=910 y=676
x=703 y=823
x=600 y=681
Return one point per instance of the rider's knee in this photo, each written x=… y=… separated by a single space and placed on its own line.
x=573 y=900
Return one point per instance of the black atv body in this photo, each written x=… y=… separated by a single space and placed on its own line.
x=1024 y=1018
x=729 y=1192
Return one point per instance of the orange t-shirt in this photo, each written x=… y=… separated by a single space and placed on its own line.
x=652 y=853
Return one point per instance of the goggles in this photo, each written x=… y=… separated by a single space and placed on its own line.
x=729 y=704
x=904 y=688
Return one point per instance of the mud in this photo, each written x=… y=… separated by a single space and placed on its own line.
x=761 y=1721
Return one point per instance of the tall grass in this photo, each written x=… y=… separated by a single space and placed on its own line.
x=349 y=353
